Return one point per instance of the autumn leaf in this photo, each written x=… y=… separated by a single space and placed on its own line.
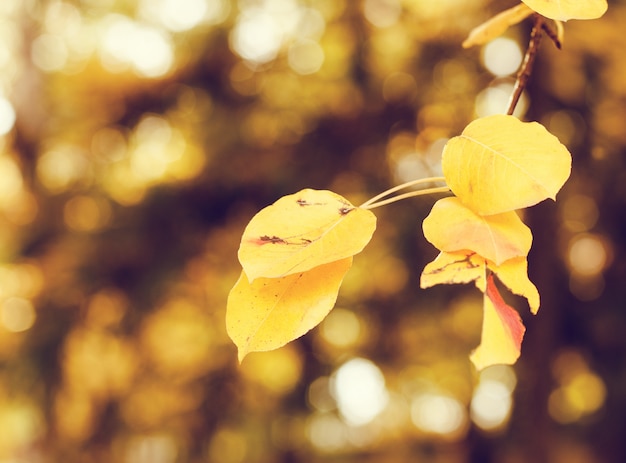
x=270 y=312
x=302 y=231
x=514 y=275
x=496 y=26
x=563 y=10
x=452 y=227
x=453 y=268
x=499 y=164
x=502 y=331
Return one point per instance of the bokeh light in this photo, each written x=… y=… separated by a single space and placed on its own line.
x=495 y=100
x=579 y=212
x=359 y=389
x=492 y=401
x=7 y=116
x=439 y=414
x=382 y=13
x=502 y=56
x=137 y=138
x=127 y=43
x=179 y=15
x=17 y=314
x=580 y=391
x=342 y=328
x=587 y=255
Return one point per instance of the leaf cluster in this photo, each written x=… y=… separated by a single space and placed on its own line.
x=296 y=252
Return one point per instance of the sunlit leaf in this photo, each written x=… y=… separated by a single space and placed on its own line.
x=499 y=164
x=496 y=25
x=453 y=268
x=302 y=231
x=563 y=10
x=451 y=227
x=502 y=331
x=270 y=312
x=514 y=275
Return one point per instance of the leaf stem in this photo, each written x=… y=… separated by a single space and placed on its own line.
x=527 y=65
x=401 y=187
x=377 y=200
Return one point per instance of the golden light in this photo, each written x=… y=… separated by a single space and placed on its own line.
x=495 y=98
x=110 y=360
x=327 y=432
x=177 y=339
x=399 y=87
x=319 y=395
x=74 y=415
x=358 y=386
x=22 y=423
x=438 y=414
x=126 y=43
x=24 y=280
x=382 y=13
x=579 y=212
x=262 y=29
x=228 y=446
x=277 y=371
x=257 y=36
x=174 y=398
x=502 y=56
x=568 y=126
x=492 y=400
x=154 y=152
x=217 y=11
x=587 y=254
x=7 y=116
x=109 y=144
x=61 y=167
x=12 y=181
x=155 y=146
x=341 y=328
x=176 y=15
x=17 y=314
x=106 y=308
x=582 y=395
x=151 y=448
x=86 y=214
x=49 y=52
x=305 y=56
x=491 y=405
x=580 y=392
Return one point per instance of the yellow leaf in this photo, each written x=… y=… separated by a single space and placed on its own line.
x=302 y=231
x=270 y=312
x=495 y=26
x=499 y=164
x=451 y=227
x=514 y=275
x=453 y=268
x=502 y=331
x=563 y=10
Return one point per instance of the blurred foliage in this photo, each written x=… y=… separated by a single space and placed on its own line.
x=138 y=137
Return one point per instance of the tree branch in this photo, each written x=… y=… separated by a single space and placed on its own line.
x=527 y=65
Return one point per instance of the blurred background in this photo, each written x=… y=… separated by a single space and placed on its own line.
x=138 y=138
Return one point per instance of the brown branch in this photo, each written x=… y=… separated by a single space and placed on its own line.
x=527 y=65
x=552 y=34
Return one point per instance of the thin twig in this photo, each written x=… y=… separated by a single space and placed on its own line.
x=410 y=194
x=527 y=65
x=552 y=34
x=401 y=187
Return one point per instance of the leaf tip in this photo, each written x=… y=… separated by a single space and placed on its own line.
x=481 y=361
x=241 y=354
